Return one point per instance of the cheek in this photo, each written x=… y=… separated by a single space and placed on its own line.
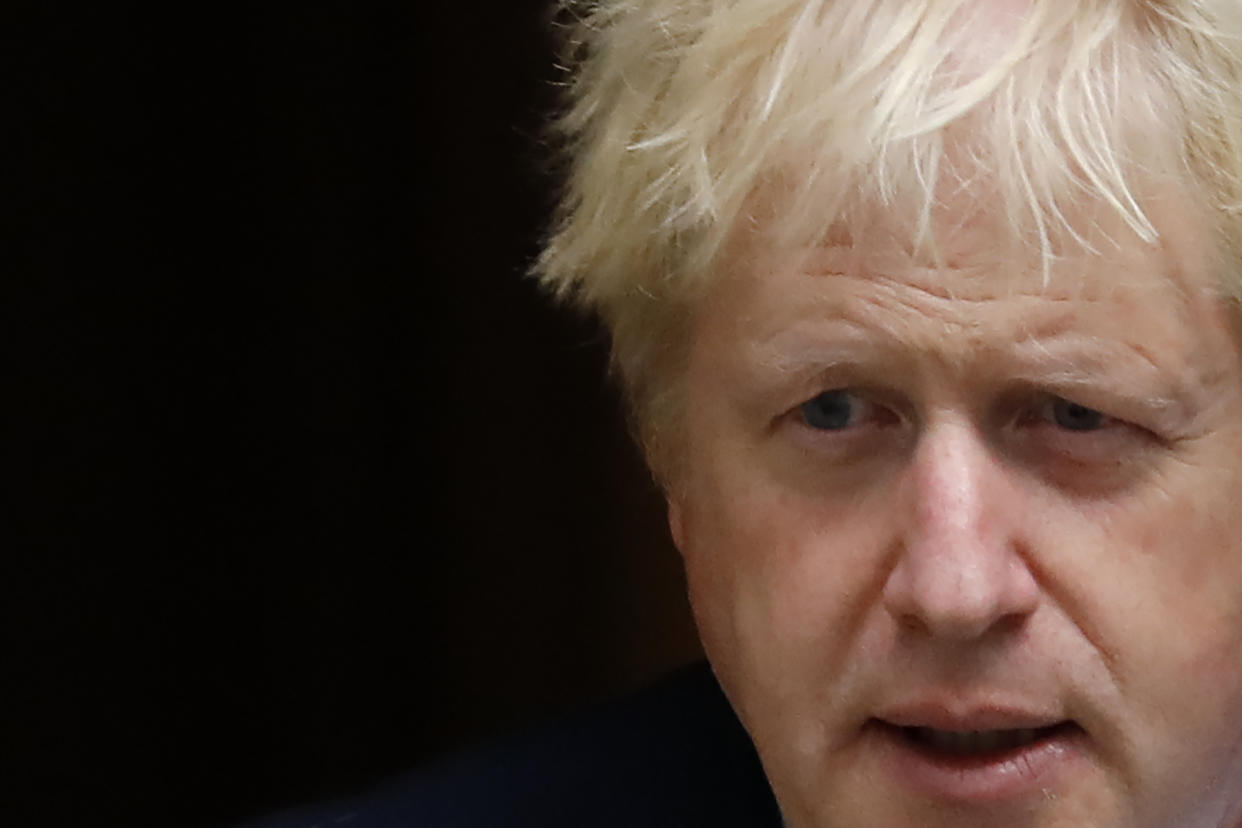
x=1194 y=621
x=1156 y=586
x=780 y=584
x=1184 y=583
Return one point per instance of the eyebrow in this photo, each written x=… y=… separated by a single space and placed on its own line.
x=1092 y=366
x=1085 y=367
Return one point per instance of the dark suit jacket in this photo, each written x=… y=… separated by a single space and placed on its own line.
x=673 y=755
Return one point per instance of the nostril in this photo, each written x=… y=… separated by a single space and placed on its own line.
x=911 y=623
x=943 y=597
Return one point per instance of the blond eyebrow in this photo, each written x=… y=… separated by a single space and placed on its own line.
x=804 y=360
x=1171 y=404
x=1087 y=367
x=1090 y=365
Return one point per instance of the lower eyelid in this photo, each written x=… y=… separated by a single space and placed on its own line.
x=1113 y=441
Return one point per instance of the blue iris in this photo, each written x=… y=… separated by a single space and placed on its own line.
x=830 y=411
x=1074 y=417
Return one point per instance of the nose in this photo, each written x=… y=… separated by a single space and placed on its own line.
x=961 y=569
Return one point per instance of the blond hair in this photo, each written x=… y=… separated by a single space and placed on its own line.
x=690 y=121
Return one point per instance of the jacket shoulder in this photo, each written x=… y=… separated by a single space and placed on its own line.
x=672 y=755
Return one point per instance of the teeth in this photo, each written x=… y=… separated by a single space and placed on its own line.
x=964 y=742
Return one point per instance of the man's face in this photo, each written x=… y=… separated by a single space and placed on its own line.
x=964 y=542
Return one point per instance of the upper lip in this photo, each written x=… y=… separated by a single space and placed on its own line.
x=963 y=716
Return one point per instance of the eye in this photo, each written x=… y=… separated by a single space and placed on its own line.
x=837 y=410
x=1081 y=449
x=1073 y=417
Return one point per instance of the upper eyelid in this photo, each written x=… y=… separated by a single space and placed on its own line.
x=1116 y=402
x=1114 y=426
x=1017 y=407
x=1045 y=402
x=1047 y=412
x=1154 y=413
x=854 y=393
x=869 y=393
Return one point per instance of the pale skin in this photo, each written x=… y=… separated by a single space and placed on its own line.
x=970 y=485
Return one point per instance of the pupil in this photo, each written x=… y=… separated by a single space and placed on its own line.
x=1076 y=417
x=830 y=411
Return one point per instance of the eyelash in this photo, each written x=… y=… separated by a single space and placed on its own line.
x=1053 y=410
x=822 y=408
x=1048 y=412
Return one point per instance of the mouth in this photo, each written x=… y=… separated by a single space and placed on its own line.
x=963 y=764
x=978 y=744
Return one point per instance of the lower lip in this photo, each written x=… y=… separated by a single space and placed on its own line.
x=1005 y=775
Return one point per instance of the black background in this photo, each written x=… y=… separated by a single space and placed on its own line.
x=307 y=482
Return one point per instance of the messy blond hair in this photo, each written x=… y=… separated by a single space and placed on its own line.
x=691 y=121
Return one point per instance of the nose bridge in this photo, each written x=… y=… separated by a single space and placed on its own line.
x=948 y=491
x=958 y=571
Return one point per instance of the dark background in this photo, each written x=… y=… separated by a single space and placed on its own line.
x=307 y=483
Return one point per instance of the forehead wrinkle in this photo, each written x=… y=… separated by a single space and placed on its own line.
x=990 y=319
x=935 y=324
x=973 y=315
x=862 y=329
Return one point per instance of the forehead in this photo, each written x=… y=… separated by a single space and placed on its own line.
x=974 y=295
x=971 y=251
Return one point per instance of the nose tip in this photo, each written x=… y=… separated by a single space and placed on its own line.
x=960 y=570
x=958 y=599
